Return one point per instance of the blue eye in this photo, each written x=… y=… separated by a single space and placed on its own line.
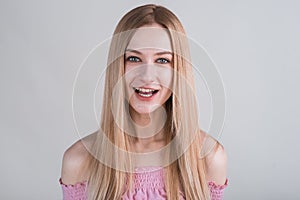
x=163 y=60
x=133 y=59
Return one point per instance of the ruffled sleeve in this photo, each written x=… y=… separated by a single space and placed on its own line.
x=77 y=191
x=217 y=191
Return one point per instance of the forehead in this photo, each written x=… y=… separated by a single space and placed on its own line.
x=150 y=37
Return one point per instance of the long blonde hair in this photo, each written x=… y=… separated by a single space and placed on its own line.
x=187 y=173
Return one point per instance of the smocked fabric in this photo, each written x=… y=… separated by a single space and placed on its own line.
x=148 y=184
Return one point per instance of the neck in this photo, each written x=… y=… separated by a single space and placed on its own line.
x=148 y=127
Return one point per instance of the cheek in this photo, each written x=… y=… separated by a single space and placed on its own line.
x=165 y=95
x=129 y=73
x=132 y=71
x=128 y=78
x=166 y=77
x=127 y=68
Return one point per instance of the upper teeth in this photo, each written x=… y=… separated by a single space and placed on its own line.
x=144 y=90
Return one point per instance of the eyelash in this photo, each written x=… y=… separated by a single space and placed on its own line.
x=136 y=59
x=133 y=57
x=165 y=61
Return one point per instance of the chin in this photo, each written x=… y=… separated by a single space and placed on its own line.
x=144 y=110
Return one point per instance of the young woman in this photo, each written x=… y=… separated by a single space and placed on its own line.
x=149 y=145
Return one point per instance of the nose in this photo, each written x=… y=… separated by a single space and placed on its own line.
x=148 y=73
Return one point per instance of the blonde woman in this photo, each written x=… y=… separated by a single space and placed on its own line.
x=149 y=145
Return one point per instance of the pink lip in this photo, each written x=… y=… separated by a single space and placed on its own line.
x=145 y=98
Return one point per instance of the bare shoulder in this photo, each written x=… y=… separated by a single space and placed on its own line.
x=74 y=160
x=216 y=162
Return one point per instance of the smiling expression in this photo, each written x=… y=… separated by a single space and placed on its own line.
x=149 y=68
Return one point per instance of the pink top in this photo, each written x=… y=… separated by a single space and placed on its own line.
x=148 y=184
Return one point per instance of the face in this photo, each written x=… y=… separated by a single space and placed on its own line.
x=149 y=68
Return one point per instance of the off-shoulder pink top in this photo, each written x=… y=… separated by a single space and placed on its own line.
x=148 y=184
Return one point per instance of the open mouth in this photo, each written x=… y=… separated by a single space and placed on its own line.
x=145 y=92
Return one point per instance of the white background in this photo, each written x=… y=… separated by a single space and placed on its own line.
x=255 y=45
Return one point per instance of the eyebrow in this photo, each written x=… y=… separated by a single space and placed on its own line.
x=158 y=53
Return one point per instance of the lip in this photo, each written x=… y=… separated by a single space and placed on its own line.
x=146 y=98
x=148 y=90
